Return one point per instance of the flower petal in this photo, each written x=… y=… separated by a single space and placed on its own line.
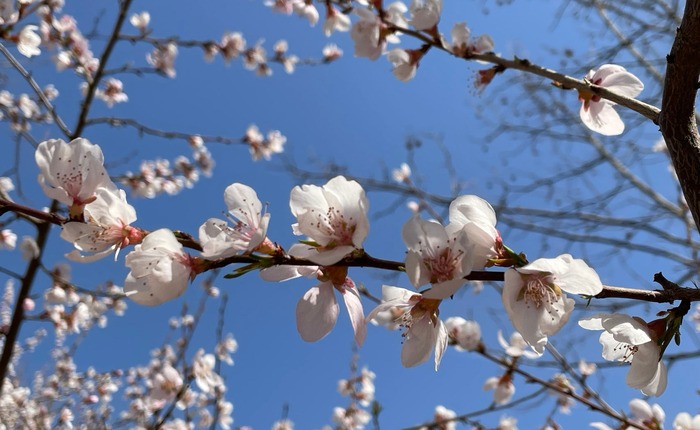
x=354 y=305
x=317 y=312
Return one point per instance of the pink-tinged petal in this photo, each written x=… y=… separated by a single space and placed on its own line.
x=392 y=297
x=76 y=256
x=349 y=197
x=260 y=233
x=285 y=273
x=243 y=203
x=390 y=293
x=657 y=386
x=623 y=83
x=419 y=342
x=216 y=242
x=167 y=282
x=580 y=278
x=415 y=271
x=647 y=372
x=280 y=273
x=471 y=208
x=445 y=289
x=572 y=275
x=440 y=343
x=626 y=329
x=357 y=316
x=602 y=118
x=328 y=257
x=317 y=312
x=611 y=348
x=306 y=196
x=605 y=71
x=641 y=409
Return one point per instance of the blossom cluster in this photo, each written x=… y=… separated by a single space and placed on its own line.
x=379 y=25
x=334 y=220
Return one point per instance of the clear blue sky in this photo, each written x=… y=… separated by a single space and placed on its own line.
x=355 y=113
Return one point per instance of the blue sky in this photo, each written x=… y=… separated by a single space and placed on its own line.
x=355 y=113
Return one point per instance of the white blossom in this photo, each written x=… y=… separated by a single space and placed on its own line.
x=437 y=255
x=534 y=298
x=424 y=333
x=249 y=231
x=72 y=172
x=29 y=41
x=630 y=340
x=140 y=20
x=160 y=269
x=425 y=13
x=596 y=112
x=334 y=216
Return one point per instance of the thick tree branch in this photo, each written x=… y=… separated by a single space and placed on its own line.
x=677 y=118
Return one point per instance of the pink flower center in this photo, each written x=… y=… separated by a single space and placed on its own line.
x=539 y=290
x=334 y=225
x=444 y=265
x=587 y=97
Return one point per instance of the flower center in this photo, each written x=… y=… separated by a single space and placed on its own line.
x=539 y=290
x=629 y=351
x=443 y=266
x=334 y=225
x=587 y=96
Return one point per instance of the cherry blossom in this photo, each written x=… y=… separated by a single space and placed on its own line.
x=163 y=59
x=29 y=248
x=425 y=13
x=502 y=386
x=306 y=9
x=477 y=219
x=160 y=269
x=203 y=368
x=646 y=415
x=516 y=346
x=333 y=216
x=369 y=33
x=317 y=310
x=437 y=255
x=335 y=20
x=107 y=228
x=72 y=172
x=167 y=382
x=140 y=21
x=463 y=46
x=508 y=423
x=598 y=113
x=112 y=93
x=445 y=418
x=29 y=41
x=261 y=147
x=232 y=45
x=8 y=239
x=405 y=63
x=402 y=174
x=331 y=52
x=534 y=298
x=465 y=334
x=684 y=421
x=631 y=340
x=419 y=316
x=250 y=225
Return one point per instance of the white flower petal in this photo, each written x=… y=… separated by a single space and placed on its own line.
x=317 y=312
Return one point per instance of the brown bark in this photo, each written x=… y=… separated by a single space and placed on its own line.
x=677 y=118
